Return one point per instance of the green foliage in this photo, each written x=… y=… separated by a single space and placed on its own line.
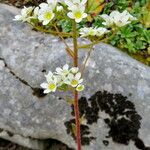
x=65 y=25
x=119 y=5
x=98 y=21
x=132 y=37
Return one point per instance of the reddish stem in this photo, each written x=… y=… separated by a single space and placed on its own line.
x=76 y=105
x=77 y=120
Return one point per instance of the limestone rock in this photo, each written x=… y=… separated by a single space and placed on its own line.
x=25 y=55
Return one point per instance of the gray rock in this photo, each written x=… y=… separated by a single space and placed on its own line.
x=26 y=54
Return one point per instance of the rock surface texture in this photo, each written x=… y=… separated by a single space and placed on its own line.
x=29 y=118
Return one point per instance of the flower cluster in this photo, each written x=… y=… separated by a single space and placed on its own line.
x=25 y=14
x=47 y=11
x=118 y=19
x=63 y=77
x=77 y=9
x=44 y=13
x=84 y=32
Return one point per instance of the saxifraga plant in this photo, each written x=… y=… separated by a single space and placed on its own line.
x=75 y=13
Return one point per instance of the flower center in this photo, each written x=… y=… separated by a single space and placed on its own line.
x=51 y=86
x=78 y=15
x=80 y=88
x=74 y=82
x=48 y=15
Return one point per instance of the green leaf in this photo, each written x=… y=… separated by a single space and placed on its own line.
x=66 y=25
x=63 y=87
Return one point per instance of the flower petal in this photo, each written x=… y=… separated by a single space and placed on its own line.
x=44 y=85
x=78 y=75
x=70 y=15
x=46 y=91
x=65 y=67
x=45 y=22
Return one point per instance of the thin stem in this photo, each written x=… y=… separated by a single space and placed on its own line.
x=99 y=41
x=92 y=44
x=86 y=60
x=64 y=34
x=69 y=51
x=75 y=44
x=76 y=105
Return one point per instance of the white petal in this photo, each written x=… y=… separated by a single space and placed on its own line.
x=54 y=89
x=69 y=3
x=17 y=17
x=44 y=85
x=59 y=70
x=46 y=91
x=65 y=67
x=84 y=15
x=78 y=20
x=43 y=5
x=83 y=2
x=74 y=69
x=70 y=15
x=41 y=17
x=80 y=81
x=36 y=11
x=59 y=8
x=70 y=76
x=45 y=22
x=78 y=75
x=49 y=76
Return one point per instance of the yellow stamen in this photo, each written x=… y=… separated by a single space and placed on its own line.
x=80 y=88
x=74 y=82
x=48 y=15
x=52 y=86
x=78 y=15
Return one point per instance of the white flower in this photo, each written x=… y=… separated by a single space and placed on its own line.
x=75 y=80
x=63 y=76
x=117 y=18
x=51 y=86
x=80 y=88
x=25 y=14
x=77 y=13
x=92 y=31
x=77 y=9
x=63 y=71
x=46 y=15
x=108 y=20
